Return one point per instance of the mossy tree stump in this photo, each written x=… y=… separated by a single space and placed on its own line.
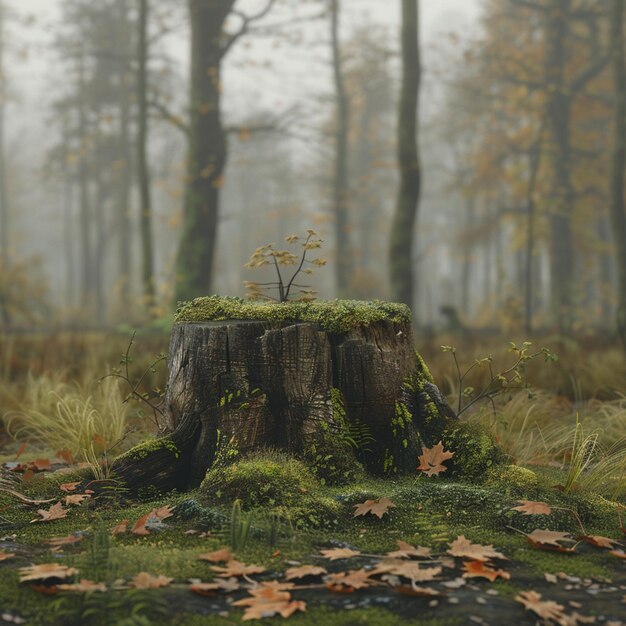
x=317 y=380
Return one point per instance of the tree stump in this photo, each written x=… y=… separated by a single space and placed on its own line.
x=296 y=380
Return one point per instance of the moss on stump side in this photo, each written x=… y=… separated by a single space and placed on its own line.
x=335 y=316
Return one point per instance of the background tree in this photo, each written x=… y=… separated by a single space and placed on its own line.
x=207 y=142
x=403 y=227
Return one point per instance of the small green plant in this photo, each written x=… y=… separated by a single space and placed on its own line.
x=153 y=398
x=240 y=523
x=268 y=255
x=498 y=383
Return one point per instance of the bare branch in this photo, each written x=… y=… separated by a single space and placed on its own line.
x=168 y=116
x=246 y=20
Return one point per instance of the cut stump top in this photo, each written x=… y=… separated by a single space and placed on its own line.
x=334 y=316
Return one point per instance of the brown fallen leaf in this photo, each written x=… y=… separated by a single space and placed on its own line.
x=143 y=580
x=339 y=553
x=600 y=542
x=237 y=568
x=76 y=499
x=375 y=507
x=406 y=569
x=41 y=465
x=407 y=550
x=64 y=541
x=120 y=529
x=478 y=569
x=462 y=547
x=549 y=540
x=84 y=586
x=354 y=579
x=46 y=571
x=267 y=601
x=545 y=609
x=431 y=460
x=65 y=456
x=529 y=507
x=416 y=590
x=56 y=511
x=302 y=572
x=221 y=555
x=4 y=556
x=218 y=584
x=67 y=487
x=620 y=554
x=153 y=517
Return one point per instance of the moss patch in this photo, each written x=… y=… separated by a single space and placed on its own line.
x=337 y=316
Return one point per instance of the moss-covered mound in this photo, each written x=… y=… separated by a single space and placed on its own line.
x=335 y=316
x=272 y=482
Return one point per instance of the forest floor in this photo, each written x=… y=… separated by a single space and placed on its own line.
x=426 y=550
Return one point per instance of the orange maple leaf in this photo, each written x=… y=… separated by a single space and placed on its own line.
x=431 y=460
x=270 y=599
x=46 y=571
x=599 y=541
x=407 y=550
x=462 y=547
x=354 y=579
x=6 y=555
x=218 y=556
x=375 y=507
x=237 y=568
x=84 y=586
x=143 y=580
x=478 y=569
x=69 y=486
x=529 y=507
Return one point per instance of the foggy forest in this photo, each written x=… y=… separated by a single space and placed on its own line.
x=313 y=310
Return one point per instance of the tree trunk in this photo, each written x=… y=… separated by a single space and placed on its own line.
x=618 y=212
x=401 y=265
x=207 y=150
x=343 y=253
x=143 y=171
x=289 y=386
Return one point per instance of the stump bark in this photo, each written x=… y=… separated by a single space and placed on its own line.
x=293 y=387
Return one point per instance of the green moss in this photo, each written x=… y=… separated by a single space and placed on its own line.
x=475 y=451
x=337 y=316
x=144 y=449
x=515 y=481
x=265 y=478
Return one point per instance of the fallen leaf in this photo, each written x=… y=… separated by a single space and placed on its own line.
x=462 y=547
x=375 y=507
x=218 y=584
x=143 y=580
x=407 y=569
x=46 y=571
x=407 y=550
x=84 y=586
x=151 y=520
x=530 y=507
x=223 y=554
x=339 y=553
x=354 y=579
x=237 y=568
x=41 y=465
x=64 y=541
x=478 y=569
x=4 y=556
x=600 y=542
x=431 y=460
x=121 y=528
x=267 y=601
x=46 y=590
x=545 y=609
x=67 y=487
x=56 y=511
x=620 y=554
x=549 y=540
x=416 y=590
x=76 y=499
x=65 y=456
x=304 y=571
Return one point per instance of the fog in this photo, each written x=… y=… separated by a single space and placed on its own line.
x=518 y=223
